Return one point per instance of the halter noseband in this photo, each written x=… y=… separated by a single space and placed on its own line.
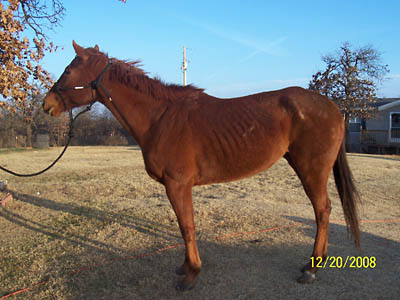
x=94 y=85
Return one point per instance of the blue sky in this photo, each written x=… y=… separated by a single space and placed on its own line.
x=234 y=47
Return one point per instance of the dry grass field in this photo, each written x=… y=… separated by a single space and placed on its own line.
x=97 y=227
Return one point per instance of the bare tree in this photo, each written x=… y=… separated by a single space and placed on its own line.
x=350 y=79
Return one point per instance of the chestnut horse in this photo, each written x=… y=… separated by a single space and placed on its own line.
x=190 y=138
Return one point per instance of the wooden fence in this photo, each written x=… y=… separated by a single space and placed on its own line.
x=379 y=142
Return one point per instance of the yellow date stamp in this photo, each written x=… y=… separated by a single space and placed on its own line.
x=338 y=262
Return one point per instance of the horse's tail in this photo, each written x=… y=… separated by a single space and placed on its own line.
x=348 y=193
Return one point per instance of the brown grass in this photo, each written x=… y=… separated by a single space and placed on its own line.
x=81 y=226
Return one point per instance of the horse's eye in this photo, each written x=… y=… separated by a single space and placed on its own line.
x=67 y=72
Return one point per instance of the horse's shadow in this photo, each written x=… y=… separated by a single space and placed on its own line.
x=247 y=267
x=252 y=267
x=132 y=221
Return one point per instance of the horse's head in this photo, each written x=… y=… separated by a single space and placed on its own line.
x=73 y=88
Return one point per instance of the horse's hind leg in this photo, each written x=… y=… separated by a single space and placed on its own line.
x=180 y=197
x=314 y=174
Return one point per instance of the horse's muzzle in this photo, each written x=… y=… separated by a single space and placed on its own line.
x=51 y=106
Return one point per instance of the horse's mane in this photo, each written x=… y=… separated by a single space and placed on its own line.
x=132 y=75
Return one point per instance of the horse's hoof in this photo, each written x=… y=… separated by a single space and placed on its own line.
x=180 y=271
x=306 y=277
x=183 y=286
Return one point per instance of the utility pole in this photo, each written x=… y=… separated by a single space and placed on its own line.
x=184 y=65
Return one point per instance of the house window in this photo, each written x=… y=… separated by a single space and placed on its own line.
x=395 y=127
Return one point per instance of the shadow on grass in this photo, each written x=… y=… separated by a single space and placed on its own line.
x=85 y=239
x=250 y=267
x=339 y=236
x=258 y=266
x=131 y=221
x=262 y=267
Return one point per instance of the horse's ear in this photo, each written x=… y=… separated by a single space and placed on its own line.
x=80 y=51
x=97 y=47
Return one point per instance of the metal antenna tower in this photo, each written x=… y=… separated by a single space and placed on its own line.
x=184 y=65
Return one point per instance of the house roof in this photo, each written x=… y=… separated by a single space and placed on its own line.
x=383 y=106
x=378 y=102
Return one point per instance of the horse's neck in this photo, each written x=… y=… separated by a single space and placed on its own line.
x=135 y=112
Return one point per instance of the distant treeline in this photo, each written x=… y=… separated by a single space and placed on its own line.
x=97 y=127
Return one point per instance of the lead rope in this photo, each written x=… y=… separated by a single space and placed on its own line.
x=93 y=86
x=70 y=136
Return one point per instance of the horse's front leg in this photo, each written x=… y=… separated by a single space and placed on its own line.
x=180 y=196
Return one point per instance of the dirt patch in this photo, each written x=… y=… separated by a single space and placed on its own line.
x=97 y=227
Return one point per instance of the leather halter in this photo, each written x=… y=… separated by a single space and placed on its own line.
x=95 y=85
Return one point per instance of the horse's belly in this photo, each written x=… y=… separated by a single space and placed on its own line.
x=237 y=166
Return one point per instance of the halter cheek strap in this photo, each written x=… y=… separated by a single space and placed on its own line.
x=95 y=85
x=97 y=82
